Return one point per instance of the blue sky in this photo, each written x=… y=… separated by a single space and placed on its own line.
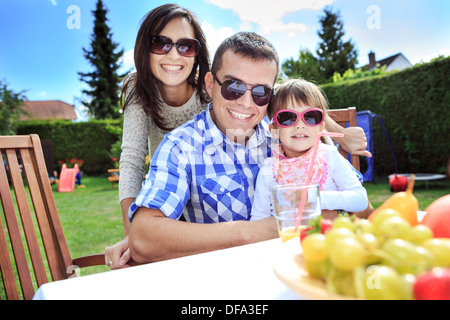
x=41 y=47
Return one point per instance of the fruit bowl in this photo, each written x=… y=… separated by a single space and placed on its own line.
x=289 y=268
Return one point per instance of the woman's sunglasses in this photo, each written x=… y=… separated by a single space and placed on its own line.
x=185 y=47
x=234 y=89
x=287 y=118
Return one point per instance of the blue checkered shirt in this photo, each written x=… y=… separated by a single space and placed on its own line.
x=198 y=172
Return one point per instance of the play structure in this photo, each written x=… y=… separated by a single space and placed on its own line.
x=68 y=177
x=365 y=120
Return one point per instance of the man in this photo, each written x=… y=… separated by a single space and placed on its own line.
x=206 y=169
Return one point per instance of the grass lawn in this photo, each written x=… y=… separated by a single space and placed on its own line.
x=92 y=220
x=379 y=192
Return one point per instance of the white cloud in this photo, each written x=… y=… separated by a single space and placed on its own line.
x=53 y=3
x=268 y=14
x=127 y=61
x=128 y=58
x=41 y=94
x=215 y=37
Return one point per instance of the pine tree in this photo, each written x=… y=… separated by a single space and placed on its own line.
x=104 y=80
x=334 y=54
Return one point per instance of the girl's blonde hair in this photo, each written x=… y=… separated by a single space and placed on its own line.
x=301 y=91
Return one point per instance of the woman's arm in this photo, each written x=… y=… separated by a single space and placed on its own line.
x=125 y=205
x=132 y=158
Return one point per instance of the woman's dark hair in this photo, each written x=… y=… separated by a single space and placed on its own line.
x=143 y=83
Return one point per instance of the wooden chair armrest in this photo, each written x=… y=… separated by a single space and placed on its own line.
x=89 y=261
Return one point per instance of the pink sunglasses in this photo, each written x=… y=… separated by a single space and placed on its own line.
x=287 y=118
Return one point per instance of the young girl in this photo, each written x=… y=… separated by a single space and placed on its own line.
x=298 y=111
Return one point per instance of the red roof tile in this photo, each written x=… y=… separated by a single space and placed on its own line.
x=53 y=109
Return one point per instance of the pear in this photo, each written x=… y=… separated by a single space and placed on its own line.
x=405 y=203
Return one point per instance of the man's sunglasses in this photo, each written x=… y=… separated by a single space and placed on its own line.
x=287 y=118
x=234 y=89
x=185 y=47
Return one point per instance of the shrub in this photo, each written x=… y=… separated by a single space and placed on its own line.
x=90 y=141
x=415 y=107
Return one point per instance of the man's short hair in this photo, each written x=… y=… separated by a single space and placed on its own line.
x=249 y=45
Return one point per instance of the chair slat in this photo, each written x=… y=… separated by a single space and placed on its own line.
x=47 y=195
x=26 y=218
x=342 y=117
x=14 y=233
x=15 y=142
x=41 y=215
x=6 y=269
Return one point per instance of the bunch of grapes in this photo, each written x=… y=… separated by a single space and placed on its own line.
x=378 y=259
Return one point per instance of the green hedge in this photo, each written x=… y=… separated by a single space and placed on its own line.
x=90 y=141
x=414 y=105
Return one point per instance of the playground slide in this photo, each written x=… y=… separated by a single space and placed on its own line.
x=67 y=178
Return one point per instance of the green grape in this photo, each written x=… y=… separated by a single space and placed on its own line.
x=334 y=234
x=440 y=248
x=407 y=283
x=341 y=282
x=318 y=269
x=347 y=253
x=343 y=222
x=394 y=228
x=370 y=244
x=381 y=282
x=381 y=216
x=420 y=233
x=314 y=247
x=363 y=226
x=406 y=257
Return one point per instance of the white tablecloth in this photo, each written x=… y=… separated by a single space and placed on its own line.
x=239 y=273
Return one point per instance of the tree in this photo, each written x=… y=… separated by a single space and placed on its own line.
x=334 y=54
x=104 y=80
x=306 y=67
x=10 y=109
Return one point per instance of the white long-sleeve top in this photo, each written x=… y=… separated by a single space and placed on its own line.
x=341 y=190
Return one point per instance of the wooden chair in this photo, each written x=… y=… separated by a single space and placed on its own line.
x=343 y=117
x=24 y=156
x=114 y=176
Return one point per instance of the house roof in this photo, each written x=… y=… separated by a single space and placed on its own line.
x=50 y=109
x=386 y=61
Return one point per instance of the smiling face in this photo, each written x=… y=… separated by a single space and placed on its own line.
x=172 y=69
x=299 y=138
x=237 y=118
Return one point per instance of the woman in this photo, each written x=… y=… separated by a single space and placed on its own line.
x=171 y=58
